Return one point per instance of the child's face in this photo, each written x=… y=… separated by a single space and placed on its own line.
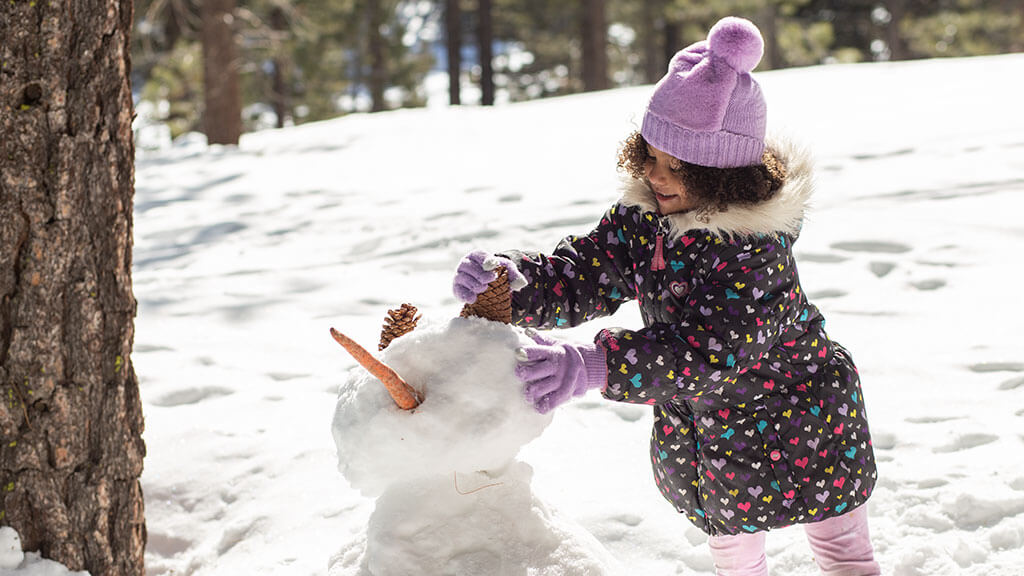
x=666 y=185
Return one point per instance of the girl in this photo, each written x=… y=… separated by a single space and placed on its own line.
x=759 y=418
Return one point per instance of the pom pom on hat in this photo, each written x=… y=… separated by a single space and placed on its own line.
x=737 y=41
x=708 y=109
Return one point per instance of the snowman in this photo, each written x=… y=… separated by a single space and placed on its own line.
x=436 y=447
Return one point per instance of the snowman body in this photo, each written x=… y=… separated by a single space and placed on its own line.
x=451 y=498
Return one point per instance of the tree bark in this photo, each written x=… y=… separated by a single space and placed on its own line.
x=71 y=451
x=485 y=31
x=453 y=41
x=595 y=53
x=377 y=47
x=222 y=115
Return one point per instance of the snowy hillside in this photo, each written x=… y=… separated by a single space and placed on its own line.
x=245 y=257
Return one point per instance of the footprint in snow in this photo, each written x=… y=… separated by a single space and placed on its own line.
x=189 y=396
x=966 y=442
x=984 y=367
x=166 y=546
x=821 y=258
x=1012 y=383
x=930 y=483
x=826 y=293
x=881 y=269
x=872 y=247
x=929 y=284
x=886 y=154
x=285 y=376
x=931 y=419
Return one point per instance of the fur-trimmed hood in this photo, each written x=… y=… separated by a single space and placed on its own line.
x=783 y=213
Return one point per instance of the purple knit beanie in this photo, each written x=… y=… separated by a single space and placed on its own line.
x=708 y=110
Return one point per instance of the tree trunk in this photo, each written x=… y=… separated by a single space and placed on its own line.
x=280 y=94
x=654 y=63
x=894 y=36
x=1009 y=8
x=595 y=54
x=673 y=39
x=768 y=17
x=485 y=31
x=377 y=47
x=222 y=115
x=173 y=24
x=71 y=421
x=453 y=40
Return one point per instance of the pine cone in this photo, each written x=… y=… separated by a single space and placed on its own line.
x=397 y=323
x=495 y=303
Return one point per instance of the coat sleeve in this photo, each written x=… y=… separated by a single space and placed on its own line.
x=584 y=278
x=733 y=316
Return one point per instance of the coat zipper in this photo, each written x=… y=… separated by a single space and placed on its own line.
x=658 y=263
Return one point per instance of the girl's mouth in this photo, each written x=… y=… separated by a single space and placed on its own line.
x=663 y=197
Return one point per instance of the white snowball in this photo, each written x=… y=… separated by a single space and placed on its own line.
x=473 y=417
x=15 y=562
x=11 y=555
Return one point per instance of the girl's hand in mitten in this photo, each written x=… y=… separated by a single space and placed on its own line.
x=477 y=269
x=552 y=373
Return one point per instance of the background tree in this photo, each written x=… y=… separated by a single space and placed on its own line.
x=652 y=28
x=222 y=93
x=306 y=60
x=280 y=63
x=594 y=42
x=485 y=42
x=958 y=27
x=376 y=48
x=453 y=44
x=71 y=422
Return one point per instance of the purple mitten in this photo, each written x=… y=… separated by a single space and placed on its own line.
x=552 y=373
x=477 y=269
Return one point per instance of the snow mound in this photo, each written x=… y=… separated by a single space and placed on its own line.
x=473 y=417
x=10 y=548
x=14 y=562
x=476 y=525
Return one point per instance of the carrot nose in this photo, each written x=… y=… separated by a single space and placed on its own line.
x=403 y=394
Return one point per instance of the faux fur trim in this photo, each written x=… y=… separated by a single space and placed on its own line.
x=783 y=213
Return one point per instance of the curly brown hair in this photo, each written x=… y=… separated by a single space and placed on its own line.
x=714 y=189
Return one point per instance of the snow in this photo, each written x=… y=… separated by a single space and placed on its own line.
x=479 y=523
x=14 y=562
x=245 y=257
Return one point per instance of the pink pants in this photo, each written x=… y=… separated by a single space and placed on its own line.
x=841 y=546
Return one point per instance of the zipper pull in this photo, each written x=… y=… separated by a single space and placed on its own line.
x=659 y=258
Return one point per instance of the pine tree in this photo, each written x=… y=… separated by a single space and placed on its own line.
x=71 y=448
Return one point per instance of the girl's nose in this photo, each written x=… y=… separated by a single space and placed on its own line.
x=656 y=173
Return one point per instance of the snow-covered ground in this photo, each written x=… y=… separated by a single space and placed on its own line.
x=245 y=257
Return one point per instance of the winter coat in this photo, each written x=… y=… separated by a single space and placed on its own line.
x=759 y=418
